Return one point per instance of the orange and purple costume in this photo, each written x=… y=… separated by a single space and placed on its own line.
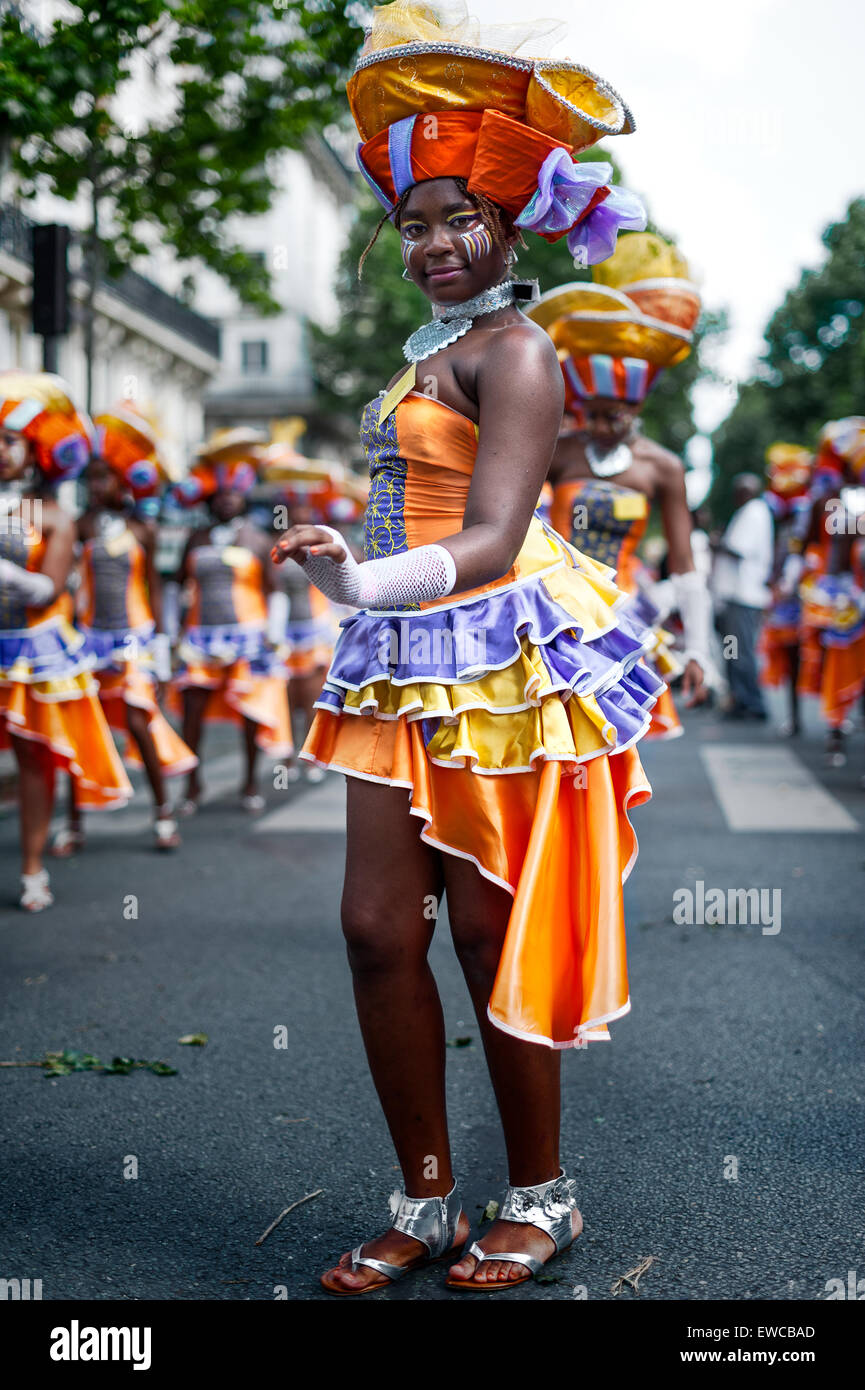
x=510 y=714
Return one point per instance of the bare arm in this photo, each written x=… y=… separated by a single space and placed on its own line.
x=59 y=550
x=675 y=515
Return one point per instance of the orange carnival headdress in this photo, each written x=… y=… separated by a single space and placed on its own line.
x=788 y=478
x=615 y=336
x=436 y=95
x=39 y=406
x=229 y=462
x=328 y=489
x=128 y=442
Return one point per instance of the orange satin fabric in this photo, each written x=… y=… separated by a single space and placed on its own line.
x=247 y=591
x=136 y=597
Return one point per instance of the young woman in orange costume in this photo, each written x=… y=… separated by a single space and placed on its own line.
x=485 y=700
x=229 y=671
x=120 y=611
x=49 y=705
x=614 y=339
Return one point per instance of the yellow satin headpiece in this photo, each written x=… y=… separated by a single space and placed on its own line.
x=583 y=319
x=655 y=276
x=420 y=58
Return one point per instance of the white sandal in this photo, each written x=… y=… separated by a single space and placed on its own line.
x=167 y=835
x=549 y=1206
x=35 y=892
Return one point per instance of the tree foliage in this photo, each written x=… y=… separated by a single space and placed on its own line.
x=812 y=368
x=246 y=78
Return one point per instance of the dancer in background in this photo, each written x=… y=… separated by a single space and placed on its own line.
x=231 y=624
x=832 y=587
x=788 y=480
x=614 y=338
x=49 y=706
x=120 y=611
x=498 y=766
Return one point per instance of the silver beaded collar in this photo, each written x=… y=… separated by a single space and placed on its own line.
x=609 y=464
x=451 y=321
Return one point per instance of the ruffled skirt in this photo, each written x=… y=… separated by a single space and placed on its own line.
x=833 y=644
x=512 y=719
x=48 y=695
x=125 y=675
x=245 y=680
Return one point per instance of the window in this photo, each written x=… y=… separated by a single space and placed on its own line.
x=253 y=357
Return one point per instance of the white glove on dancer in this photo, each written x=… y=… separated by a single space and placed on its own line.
x=277 y=616
x=695 y=609
x=161 y=648
x=28 y=586
x=427 y=572
x=791 y=572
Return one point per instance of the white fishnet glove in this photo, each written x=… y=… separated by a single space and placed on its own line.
x=695 y=610
x=29 y=586
x=427 y=572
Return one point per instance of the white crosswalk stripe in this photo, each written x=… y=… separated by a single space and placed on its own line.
x=771 y=789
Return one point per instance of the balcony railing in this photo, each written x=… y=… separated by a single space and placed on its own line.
x=133 y=289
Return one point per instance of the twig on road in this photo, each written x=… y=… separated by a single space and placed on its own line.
x=633 y=1276
x=273 y=1225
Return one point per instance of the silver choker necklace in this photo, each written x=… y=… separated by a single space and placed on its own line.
x=451 y=321
x=608 y=465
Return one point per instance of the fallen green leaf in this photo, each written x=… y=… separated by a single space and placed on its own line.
x=194 y=1039
x=490 y=1211
x=459 y=1042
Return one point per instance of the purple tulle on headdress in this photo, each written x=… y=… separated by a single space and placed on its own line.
x=595 y=238
x=565 y=190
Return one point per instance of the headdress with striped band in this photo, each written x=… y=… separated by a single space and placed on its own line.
x=434 y=96
x=230 y=461
x=127 y=441
x=840 y=454
x=39 y=406
x=615 y=336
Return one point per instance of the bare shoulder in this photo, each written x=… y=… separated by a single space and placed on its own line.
x=520 y=357
x=669 y=468
x=57 y=520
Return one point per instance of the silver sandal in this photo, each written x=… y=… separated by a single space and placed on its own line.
x=431 y=1220
x=549 y=1206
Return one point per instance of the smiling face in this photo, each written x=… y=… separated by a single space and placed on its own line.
x=449 y=250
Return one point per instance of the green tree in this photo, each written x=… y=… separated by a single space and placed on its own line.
x=247 y=79
x=812 y=368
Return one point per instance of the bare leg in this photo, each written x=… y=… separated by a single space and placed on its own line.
x=194 y=705
x=795 y=722
x=525 y=1076
x=250 y=748
x=35 y=799
x=138 y=724
x=392 y=882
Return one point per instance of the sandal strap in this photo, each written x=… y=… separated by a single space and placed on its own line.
x=380 y=1266
x=531 y=1262
x=548 y=1206
x=431 y=1220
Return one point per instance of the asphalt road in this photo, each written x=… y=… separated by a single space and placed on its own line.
x=721 y=1131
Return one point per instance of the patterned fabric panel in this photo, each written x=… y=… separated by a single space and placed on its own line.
x=13 y=546
x=110 y=577
x=595 y=527
x=215 y=581
x=384 y=523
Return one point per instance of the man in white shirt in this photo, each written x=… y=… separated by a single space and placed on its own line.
x=741 y=587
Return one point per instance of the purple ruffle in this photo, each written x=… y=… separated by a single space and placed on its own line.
x=450 y=646
x=594 y=239
x=565 y=189
x=48 y=651
x=113 y=647
x=230 y=643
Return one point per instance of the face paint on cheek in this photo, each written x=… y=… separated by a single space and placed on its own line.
x=407 y=248
x=477 y=242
